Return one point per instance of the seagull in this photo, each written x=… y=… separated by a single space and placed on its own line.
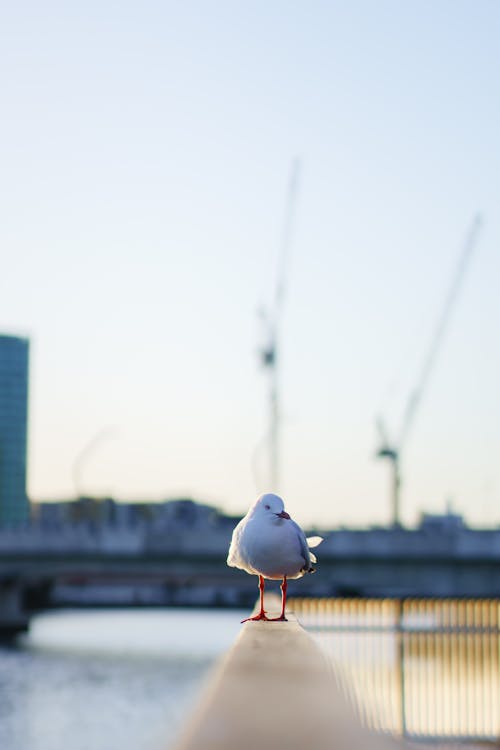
x=267 y=543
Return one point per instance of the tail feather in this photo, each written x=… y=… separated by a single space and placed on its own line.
x=313 y=541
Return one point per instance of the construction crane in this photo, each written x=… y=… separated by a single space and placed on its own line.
x=84 y=455
x=391 y=450
x=271 y=318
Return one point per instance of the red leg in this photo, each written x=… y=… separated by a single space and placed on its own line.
x=283 y=601
x=262 y=615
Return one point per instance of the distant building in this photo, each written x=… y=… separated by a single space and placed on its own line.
x=14 y=357
x=442 y=522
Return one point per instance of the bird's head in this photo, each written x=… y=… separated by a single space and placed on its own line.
x=271 y=506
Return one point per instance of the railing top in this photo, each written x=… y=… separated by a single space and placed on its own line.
x=275 y=689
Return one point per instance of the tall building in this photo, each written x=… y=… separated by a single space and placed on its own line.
x=14 y=357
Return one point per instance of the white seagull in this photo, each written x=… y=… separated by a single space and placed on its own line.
x=267 y=543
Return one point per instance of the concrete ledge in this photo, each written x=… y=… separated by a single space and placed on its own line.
x=275 y=689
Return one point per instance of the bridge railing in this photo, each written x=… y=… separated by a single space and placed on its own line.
x=276 y=689
x=427 y=669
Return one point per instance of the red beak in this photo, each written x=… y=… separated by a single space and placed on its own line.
x=283 y=514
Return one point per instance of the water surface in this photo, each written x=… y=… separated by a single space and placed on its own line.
x=108 y=680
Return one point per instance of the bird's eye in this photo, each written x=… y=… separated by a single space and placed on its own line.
x=267 y=507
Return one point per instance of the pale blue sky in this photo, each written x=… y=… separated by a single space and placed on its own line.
x=145 y=151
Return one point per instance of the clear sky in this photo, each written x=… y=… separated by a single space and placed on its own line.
x=145 y=152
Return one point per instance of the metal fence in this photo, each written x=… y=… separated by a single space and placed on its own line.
x=421 y=668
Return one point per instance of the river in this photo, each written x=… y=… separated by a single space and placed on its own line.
x=108 y=679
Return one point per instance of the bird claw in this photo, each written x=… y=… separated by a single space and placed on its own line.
x=263 y=616
x=255 y=618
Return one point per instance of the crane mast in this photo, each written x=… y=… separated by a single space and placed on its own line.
x=392 y=451
x=270 y=352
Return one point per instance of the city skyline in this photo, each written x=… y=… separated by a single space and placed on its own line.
x=146 y=156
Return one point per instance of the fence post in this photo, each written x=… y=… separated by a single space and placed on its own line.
x=400 y=635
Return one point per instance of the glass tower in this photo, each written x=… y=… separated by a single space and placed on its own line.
x=14 y=357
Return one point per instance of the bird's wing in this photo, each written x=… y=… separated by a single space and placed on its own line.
x=234 y=557
x=304 y=548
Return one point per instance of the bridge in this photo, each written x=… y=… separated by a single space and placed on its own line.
x=377 y=563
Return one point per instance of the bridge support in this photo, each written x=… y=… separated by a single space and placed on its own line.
x=14 y=618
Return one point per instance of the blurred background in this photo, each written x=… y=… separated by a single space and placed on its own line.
x=146 y=157
x=245 y=248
